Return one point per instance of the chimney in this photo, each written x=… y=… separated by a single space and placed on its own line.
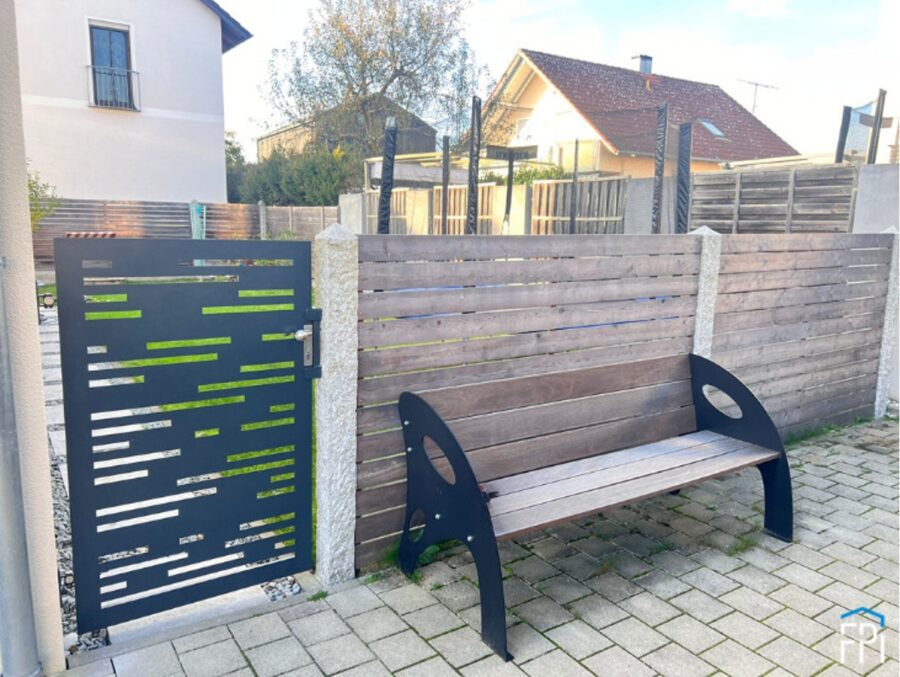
x=646 y=63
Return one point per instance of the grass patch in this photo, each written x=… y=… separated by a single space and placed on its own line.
x=743 y=544
x=315 y=597
x=795 y=439
x=373 y=578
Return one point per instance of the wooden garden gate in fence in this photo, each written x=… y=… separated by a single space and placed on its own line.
x=600 y=206
x=802 y=199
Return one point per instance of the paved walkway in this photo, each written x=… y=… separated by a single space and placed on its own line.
x=681 y=585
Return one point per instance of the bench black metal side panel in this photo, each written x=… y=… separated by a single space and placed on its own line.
x=187 y=403
x=455 y=511
x=755 y=426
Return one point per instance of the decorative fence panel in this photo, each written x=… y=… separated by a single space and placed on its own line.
x=188 y=426
x=803 y=199
x=399 y=224
x=799 y=319
x=456 y=211
x=298 y=223
x=442 y=311
x=600 y=206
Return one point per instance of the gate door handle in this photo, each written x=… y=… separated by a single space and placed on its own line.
x=309 y=337
x=305 y=337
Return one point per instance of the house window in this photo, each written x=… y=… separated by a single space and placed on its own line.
x=112 y=79
x=715 y=131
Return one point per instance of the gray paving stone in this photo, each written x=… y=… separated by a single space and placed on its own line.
x=161 y=656
x=433 y=667
x=200 y=639
x=628 y=565
x=745 y=630
x=407 y=598
x=700 y=605
x=516 y=591
x=433 y=620
x=555 y=663
x=812 y=559
x=319 y=627
x=673 y=563
x=798 y=627
x=852 y=576
x=563 y=589
x=649 y=608
x=579 y=566
x=213 y=660
x=376 y=624
x=302 y=610
x=635 y=637
x=751 y=603
x=370 y=669
x=259 y=630
x=578 y=639
x=99 y=668
x=709 y=581
x=492 y=666
x=472 y=618
x=613 y=587
x=807 y=603
x=794 y=657
x=340 y=654
x=847 y=597
x=460 y=647
x=690 y=633
x=401 y=650
x=353 y=601
x=674 y=660
x=551 y=548
x=597 y=612
x=616 y=662
x=733 y=659
x=717 y=561
x=526 y=643
x=543 y=613
x=533 y=569
x=278 y=657
x=458 y=596
x=757 y=579
x=661 y=584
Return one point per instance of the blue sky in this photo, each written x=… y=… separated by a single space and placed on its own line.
x=821 y=54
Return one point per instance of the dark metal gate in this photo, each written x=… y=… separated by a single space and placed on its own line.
x=188 y=418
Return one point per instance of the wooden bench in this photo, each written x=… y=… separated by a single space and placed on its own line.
x=545 y=449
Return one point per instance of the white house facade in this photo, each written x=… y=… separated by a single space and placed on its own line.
x=122 y=99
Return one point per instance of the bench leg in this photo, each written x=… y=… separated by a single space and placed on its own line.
x=779 y=518
x=490 y=585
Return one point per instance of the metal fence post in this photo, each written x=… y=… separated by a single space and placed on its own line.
x=888 y=335
x=707 y=290
x=335 y=262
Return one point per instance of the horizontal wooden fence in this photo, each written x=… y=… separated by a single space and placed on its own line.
x=804 y=199
x=166 y=220
x=444 y=311
x=798 y=317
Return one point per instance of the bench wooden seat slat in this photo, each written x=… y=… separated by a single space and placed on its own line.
x=586 y=503
x=625 y=465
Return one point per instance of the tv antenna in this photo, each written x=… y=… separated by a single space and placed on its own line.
x=756 y=86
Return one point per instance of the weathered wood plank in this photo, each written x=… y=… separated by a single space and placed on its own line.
x=795 y=349
x=443 y=274
x=473 y=351
x=485 y=298
x=412 y=248
x=388 y=388
x=766 y=261
x=416 y=330
x=764 y=317
x=494 y=396
x=786 y=279
x=730 y=303
x=795 y=332
x=751 y=374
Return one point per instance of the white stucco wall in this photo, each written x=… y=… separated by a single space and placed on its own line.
x=172 y=149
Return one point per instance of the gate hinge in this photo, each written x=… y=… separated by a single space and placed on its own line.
x=311 y=343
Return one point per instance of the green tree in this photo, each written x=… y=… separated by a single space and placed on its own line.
x=356 y=52
x=235 y=166
x=42 y=198
x=314 y=177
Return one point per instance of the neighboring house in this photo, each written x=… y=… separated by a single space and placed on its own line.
x=340 y=127
x=549 y=101
x=122 y=99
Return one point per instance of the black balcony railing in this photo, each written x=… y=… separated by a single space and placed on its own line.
x=114 y=88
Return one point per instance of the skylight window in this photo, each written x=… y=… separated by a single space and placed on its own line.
x=715 y=131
